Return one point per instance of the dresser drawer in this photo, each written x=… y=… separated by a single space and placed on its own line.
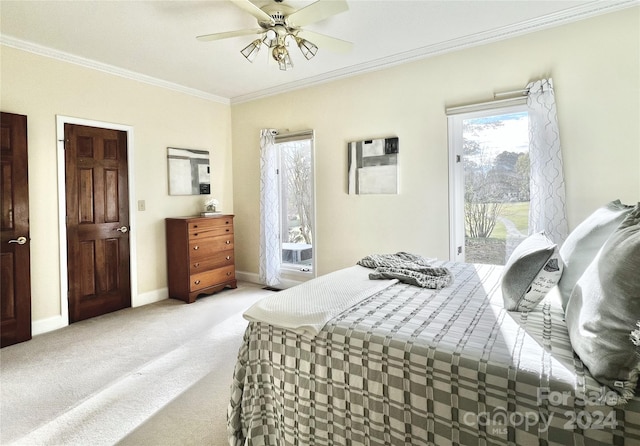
x=210 y=231
x=207 y=247
x=223 y=258
x=211 y=278
x=209 y=227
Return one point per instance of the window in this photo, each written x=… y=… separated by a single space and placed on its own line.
x=489 y=181
x=296 y=203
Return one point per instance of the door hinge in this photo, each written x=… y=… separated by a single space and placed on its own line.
x=459 y=249
x=458 y=158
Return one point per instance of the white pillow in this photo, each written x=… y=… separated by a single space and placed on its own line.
x=532 y=270
x=584 y=242
x=604 y=310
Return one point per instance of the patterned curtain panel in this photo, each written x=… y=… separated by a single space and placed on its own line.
x=547 y=206
x=269 y=209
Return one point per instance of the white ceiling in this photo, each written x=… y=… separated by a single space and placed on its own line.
x=154 y=41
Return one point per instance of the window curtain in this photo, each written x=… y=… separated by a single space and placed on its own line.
x=269 y=273
x=547 y=207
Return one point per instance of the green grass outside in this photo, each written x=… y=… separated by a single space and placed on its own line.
x=518 y=213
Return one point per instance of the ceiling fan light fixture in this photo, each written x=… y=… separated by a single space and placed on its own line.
x=270 y=38
x=279 y=25
x=307 y=48
x=286 y=63
x=281 y=55
x=250 y=52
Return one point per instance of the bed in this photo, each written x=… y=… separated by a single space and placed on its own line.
x=401 y=364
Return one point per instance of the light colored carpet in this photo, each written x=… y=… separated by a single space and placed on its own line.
x=153 y=375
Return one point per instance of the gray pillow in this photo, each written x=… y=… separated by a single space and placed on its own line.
x=584 y=242
x=532 y=270
x=604 y=308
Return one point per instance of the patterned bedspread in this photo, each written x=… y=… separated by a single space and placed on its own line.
x=415 y=366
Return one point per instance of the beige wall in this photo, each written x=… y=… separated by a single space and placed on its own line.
x=594 y=64
x=42 y=88
x=595 y=67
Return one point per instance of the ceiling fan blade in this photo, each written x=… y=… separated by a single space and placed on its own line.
x=228 y=34
x=328 y=42
x=316 y=12
x=252 y=9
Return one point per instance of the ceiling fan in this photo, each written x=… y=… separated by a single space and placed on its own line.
x=280 y=24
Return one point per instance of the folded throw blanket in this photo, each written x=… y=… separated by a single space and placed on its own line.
x=307 y=307
x=407 y=268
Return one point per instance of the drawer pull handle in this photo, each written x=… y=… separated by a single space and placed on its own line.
x=228 y=274
x=228 y=242
x=228 y=257
x=195 y=248
x=195 y=226
x=226 y=222
x=197 y=282
x=195 y=235
x=228 y=230
x=196 y=265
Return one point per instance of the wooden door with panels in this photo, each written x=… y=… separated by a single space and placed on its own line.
x=97 y=201
x=15 y=275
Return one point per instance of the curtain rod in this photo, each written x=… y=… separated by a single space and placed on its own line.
x=286 y=132
x=294 y=136
x=523 y=92
x=481 y=106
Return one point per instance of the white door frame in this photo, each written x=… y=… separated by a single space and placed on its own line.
x=63 y=319
x=289 y=276
x=455 y=116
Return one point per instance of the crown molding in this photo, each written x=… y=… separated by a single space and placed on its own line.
x=549 y=21
x=575 y=14
x=106 y=68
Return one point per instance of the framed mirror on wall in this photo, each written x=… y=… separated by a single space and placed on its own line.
x=189 y=171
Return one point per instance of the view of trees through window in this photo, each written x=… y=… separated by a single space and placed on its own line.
x=496 y=186
x=296 y=197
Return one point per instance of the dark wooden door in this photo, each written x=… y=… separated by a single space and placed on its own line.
x=97 y=221
x=15 y=276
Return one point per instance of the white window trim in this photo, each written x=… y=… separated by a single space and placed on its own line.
x=455 y=116
x=292 y=275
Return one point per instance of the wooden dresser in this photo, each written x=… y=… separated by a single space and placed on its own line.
x=199 y=256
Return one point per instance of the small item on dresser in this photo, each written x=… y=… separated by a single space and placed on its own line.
x=210 y=207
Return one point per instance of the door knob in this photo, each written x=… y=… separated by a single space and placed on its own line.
x=19 y=240
x=122 y=229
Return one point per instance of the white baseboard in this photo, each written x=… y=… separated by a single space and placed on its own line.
x=248 y=277
x=254 y=278
x=150 y=297
x=47 y=325
x=56 y=322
